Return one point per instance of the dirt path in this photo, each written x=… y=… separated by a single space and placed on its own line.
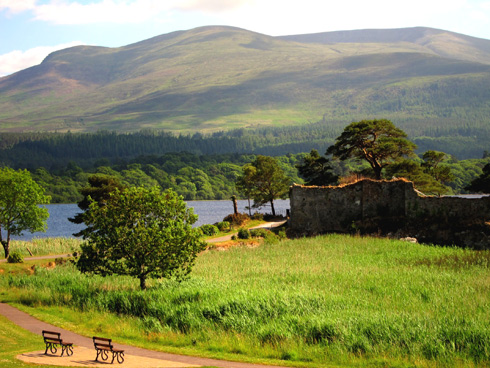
x=84 y=353
x=266 y=225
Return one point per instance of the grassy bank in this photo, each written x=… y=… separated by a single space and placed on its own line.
x=330 y=300
x=45 y=246
x=15 y=341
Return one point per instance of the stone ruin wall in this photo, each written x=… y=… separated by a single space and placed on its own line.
x=390 y=208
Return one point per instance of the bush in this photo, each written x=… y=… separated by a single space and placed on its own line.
x=259 y=233
x=257 y=216
x=223 y=226
x=209 y=230
x=237 y=219
x=243 y=234
x=15 y=257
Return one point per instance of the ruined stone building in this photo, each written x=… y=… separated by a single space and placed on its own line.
x=391 y=208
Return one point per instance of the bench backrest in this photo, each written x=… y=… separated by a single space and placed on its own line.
x=51 y=336
x=102 y=342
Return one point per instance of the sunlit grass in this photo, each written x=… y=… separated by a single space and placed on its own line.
x=45 y=246
x=330 y=300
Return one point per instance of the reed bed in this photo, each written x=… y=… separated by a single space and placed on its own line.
x=326 y=300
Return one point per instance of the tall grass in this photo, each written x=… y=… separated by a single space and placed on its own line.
x=45 y=246
x=326 y=300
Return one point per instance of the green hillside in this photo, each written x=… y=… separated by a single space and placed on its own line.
x=218 y=78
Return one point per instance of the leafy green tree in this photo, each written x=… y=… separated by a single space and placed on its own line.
x=267 y=180
x=134 y=176
x=413 y=171
x=99 y=189
x=140 y=232
x=433 y=166
x=20 y=196
x=378 y=142
x=482 y=183
x=316 y=169
x=245 y=183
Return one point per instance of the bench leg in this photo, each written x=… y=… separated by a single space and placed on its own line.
x=103 y=355
x=119 y=355
x=68 y=349
x=51 y=347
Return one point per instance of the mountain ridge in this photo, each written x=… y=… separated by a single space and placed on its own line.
x=218 y=78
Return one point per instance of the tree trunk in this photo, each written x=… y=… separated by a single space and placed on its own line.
x=6 y=248
x=5 y=244
x=142 y=282
x=235 y=205
x=272 y=208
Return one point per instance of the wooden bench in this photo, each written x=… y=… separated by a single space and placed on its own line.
x=104 y=347
x=52 y=340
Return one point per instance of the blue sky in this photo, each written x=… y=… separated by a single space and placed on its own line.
x=31 y=29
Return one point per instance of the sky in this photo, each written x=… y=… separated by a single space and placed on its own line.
x=31 y=29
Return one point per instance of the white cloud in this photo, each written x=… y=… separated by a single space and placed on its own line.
x=17 y=60
x=17 y=6
x=213 y=6
x=106 y=11
x=114 y=11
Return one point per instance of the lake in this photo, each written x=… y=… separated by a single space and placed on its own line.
x=209 y=212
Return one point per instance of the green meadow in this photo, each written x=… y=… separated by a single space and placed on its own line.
x=332 y=300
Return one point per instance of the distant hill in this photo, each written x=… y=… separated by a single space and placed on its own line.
x=430 y=82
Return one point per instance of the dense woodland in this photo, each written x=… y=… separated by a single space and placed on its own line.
x=203 y=166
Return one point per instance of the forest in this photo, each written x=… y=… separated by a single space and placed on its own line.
x=201 y=166
x=205 y=177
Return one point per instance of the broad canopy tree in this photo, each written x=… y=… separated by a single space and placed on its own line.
x=378 y=142
x=139 y=232
x=20 y=197
x=264 y=181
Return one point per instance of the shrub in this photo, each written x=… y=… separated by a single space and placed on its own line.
x=271 y=238
x=15 y=257
x=223 y=226
x=237 y=219
x=209 y=229
x=259 y=233
x=257 y=216
x=243 y=234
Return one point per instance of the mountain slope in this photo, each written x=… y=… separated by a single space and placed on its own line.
x=427 y=40
x=215 y=78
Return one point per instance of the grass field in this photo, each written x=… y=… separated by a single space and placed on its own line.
x=327 y=301
x=15 y=341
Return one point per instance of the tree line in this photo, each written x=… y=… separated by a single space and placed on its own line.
x=56 y=150
x=205 y=177
x=384 y=149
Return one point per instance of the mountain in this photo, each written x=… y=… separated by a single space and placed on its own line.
x=217 y=78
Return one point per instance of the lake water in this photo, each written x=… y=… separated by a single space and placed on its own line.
x=209 y=212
